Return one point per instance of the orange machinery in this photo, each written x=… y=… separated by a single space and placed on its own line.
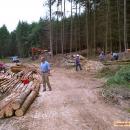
x=37 y=51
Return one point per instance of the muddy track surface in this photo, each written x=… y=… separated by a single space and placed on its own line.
x=74 y=104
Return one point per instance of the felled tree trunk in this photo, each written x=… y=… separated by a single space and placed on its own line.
x=2 y=114
x=9 y=111
x=21 y=98
x=28 y=101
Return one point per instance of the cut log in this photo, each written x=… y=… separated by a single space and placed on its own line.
x=28 y=86
x=13 y=86
x=2 y=114
x=7 y=100
x=25 y=74
x=4 y=87
x=17 y=69
x=28 y=74
x=22 y=94
x=36 y=87
x=21 y=98
x=2 y=79
x=9 y=111
x=19 y=101
x=17 y=86
x=20 y=88
x=4 y=83
x=27 y=103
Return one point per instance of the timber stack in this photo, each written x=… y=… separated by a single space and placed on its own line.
x=18 y=90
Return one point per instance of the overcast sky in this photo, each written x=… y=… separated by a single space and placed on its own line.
x=11 y=11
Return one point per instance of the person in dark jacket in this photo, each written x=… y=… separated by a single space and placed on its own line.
x=77 y=62
x=102 y=56
x=115 y=56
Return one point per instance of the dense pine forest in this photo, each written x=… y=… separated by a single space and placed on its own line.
x=65 y=65
x=90 y=24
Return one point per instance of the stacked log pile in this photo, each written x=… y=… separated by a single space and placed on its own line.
x=21 y=94
x=69 y=60
x=118 y=62
x=93 y=66
x=7 y=81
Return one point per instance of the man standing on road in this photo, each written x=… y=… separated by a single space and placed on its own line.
x=77 y=62
x=45 y=71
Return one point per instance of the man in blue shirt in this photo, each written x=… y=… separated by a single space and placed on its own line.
x=45 y=71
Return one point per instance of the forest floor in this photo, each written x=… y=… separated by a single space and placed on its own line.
x=73 y=104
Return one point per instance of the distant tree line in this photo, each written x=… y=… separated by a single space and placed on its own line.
x=102 y=24
x=91 y=24
x=20 y=41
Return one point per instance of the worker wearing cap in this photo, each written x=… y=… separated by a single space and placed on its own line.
x=45 y=71
x=77 y=62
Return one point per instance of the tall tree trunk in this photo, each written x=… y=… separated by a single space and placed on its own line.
x=79 y=45
x=94 y=27
x=57 y=32
x=87 y=26
x=107 y=17
x=125 y=33
x=109 y=25
x=71 y=29
x=119 y=30
x=62 y=44
x=111 y=47
x=76 y=48
x=51 y=46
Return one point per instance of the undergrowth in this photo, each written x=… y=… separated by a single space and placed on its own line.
x=107 y=72
x=116 y=76
x=120 y=78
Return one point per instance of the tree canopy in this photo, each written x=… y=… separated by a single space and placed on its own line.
x=90 y=24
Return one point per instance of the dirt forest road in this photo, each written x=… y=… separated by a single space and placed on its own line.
x=74 y=104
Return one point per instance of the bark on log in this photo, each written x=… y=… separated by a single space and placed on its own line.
x=24 y=87
x=12 y=86
x=9 y=111
x=7 y=85
x=20 y=88
x=16 y=69
x=7 y=100
x=2 y=79
x=22 y=95
x=17 y=86
x=27 y=103
x=2 y=114
x=4 y=83
x=19 y=101
x=28 y=74
x=25 y=73
x=21 y=98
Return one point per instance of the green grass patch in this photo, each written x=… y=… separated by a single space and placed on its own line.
x=107 y=72
x=121 y=77
x=128 y=110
